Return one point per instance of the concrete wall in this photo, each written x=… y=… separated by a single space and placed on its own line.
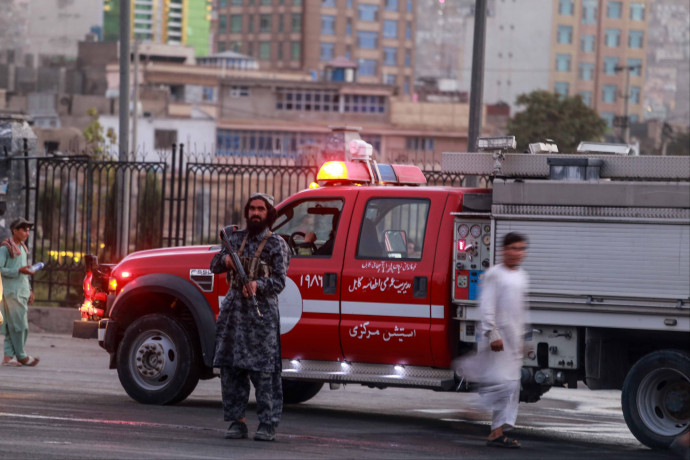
x=429 y=115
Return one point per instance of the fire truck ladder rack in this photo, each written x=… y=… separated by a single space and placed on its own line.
x=378 y=375
x=524 y=165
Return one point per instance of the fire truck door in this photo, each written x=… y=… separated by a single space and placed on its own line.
x=385 y=300
x=316 y=231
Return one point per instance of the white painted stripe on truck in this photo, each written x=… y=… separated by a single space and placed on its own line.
x=437 y=311
x=401 y=310
x=321 y=306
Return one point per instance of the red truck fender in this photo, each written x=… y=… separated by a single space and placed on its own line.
x=170 y=295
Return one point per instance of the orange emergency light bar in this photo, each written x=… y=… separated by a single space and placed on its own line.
x=362 y=172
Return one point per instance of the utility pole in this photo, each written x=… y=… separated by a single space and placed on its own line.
x=122 y=201
x=477 y=82
x=135 y=109
x=626 y=98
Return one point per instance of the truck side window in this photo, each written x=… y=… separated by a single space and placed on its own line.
x=310 y=226
x=393 y=228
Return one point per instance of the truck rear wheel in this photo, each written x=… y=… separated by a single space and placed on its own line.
x=295 y=391
x=656 y=397
x=156 y=361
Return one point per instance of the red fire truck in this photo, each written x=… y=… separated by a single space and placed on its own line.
x=387 y=294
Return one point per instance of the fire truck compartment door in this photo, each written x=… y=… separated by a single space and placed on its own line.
x=385 y=286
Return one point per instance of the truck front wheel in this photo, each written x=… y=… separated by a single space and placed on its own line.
x=295 y=391
x=156 y=361
x=656 y=397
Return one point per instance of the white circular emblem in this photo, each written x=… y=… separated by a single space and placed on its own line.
x=290 y=306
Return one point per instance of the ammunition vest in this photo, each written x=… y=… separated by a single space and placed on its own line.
x=254 y=267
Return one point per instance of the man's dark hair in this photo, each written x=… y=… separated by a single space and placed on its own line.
x=513 y=237
x=270 y=216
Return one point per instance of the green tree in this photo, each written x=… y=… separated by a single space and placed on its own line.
x=566 y=120
x=96 y=137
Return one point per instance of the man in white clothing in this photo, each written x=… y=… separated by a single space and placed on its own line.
x=504 y=314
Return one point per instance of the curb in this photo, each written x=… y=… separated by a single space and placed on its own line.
x=55 y=320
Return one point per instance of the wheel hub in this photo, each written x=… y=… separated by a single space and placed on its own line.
x=150 y=360
x=677 y=400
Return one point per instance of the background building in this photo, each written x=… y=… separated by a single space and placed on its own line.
x=377 y=36
x=173 y=22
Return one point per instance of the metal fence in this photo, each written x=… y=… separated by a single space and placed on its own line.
x=176 y=201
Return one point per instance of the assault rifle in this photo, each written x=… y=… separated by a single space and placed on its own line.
x=242 y=275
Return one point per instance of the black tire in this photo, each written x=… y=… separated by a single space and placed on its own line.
x=156 y=361
x=295 y=391
x=656 y=397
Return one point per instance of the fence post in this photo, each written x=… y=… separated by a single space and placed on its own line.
x=172 y=195
x=179 y=194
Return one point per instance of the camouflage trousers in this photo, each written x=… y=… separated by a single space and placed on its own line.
x=268 y=389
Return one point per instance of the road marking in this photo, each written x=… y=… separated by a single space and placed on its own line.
x=105 y=422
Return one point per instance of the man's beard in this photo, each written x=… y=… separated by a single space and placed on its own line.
x=256 y=226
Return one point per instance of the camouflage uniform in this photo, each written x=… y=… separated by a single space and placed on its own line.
x=248 y=346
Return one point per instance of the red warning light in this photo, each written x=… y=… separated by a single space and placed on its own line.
x=461 y=245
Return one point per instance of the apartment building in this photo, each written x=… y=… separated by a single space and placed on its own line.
x=173 y=22
x=377 y=36
x=598 y=52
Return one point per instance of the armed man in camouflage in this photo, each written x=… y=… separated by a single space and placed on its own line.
x=248 y=344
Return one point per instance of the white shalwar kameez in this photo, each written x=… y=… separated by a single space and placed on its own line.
x=504 y=314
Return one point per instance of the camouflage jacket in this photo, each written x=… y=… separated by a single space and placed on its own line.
x=243 y=339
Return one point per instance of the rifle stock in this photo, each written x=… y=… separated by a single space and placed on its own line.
x=244 y=279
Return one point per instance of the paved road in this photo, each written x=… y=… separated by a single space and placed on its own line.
x=72 y=406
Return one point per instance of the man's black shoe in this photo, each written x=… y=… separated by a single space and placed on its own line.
x=265 y=432
x=237 y=430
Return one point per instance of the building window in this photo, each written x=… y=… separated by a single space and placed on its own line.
x=608 y=118
x=327 y=25
x=266 y=2
x=222 y=4
x=589 y=11
x=348 y=27
x=586 y=71
x=635 y=38
x=236 y=46
x=236 y=2
x=409 y=6
x=610 y=64
x=295 y=51
x=265 y=23
x=239 y=91
x=364 y=104
x=587 y=43
x=367 y=40
x=390 y=56
x=368 y=12
x=296 y=23
x=307 y=99
x=348 y=51
x=349 y=4
x=408 y=30
x=634 y=94
x=586 y=97
x=367 y=67
x=406 y=86
x=636 y=71
x=562 y=88
x=608 y=93
x=563 y=62
x=297 y=2
x=222 y=24
x=236 y=23
x=391 y=79
x=250 y=19
x=390 y=28
x=280 y=51
x=565 y=35
x=250 y=49
x=392 y=5
x=613 y=38
x=328 y=3
x=281 y=27
x=637 y=11
x=634 y=118
x=614 y=10
x=419 y=143
x=408 y=58
x=566 y=7
x=327 y=51
x=265 y=51
x=222 y=46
